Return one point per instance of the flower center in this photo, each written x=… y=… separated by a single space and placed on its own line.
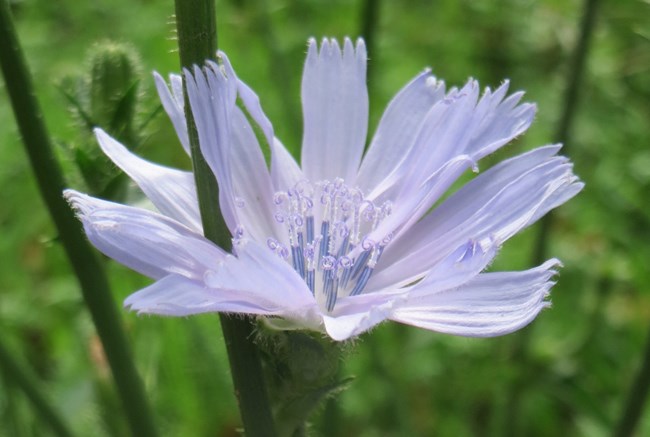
x=325 y=223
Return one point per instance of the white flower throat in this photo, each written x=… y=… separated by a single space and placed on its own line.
x=325 y=223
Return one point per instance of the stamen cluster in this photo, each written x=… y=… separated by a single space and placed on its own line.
x=338 y=259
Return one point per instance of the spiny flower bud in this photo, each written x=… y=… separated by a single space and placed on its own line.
x=107 y=95
x=114 y=77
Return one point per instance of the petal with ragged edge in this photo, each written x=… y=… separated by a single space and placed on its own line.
x=398 y=129
x=212 y=94
x=335 y=110
x=500 y=125
x=491 y=304
x=462 y=124
x=440 y=137
x=497 y=203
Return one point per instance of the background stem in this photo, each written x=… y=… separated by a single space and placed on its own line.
x=197 y=39
x=86 y=265
x=575 y=75
x=15 y=373
x=636 y=398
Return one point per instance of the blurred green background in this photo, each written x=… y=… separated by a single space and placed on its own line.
x=568 y=373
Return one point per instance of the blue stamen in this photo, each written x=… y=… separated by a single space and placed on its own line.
x=344 y=246
x=359 y=263
x=310 y=228
x=330 y=288
x=363 y=280
x=301 y=246
x=325 y=233
x=345 y=278
x=343 y=219
x=298 y=260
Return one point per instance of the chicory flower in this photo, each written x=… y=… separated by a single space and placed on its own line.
x=345 y=240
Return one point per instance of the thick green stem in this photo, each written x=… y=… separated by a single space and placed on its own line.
x=86 y=265
x=15 y=374
x=197 y=39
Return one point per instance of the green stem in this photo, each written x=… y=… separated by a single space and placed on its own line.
x=636 y=398
x=197 y=39
x=570 y=99
x=86 y=265
x=15 y=373
x=575 y=76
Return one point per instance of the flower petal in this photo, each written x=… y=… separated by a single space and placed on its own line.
x=344 y=326
x=172 y=191
x=174 y=105
x=490 y=305
x=144 y=241
x=212 y=94
x=176 y=295
x=440 y=137
x=410 y=207
x=398 y=129
x=285 y=172
x=460 y=267
x=335 y=109
x=251 y=182
x=496 y=204
x=255 y=282
x=498 y=121
x=252 y=104
x=273 y=278
x=461 y=124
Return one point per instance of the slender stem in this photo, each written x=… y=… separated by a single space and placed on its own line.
x=636 y=398
x=86 y=265
x=15 y=373
x=519 y=350
x=197 y=39
x=576 y=73
x=567 y=116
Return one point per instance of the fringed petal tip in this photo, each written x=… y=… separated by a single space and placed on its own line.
x=330 y=46
x=79 y=202
x=490 y=305
x=552 y=267
x=222 y=68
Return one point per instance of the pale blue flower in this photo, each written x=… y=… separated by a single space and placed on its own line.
x=345 y=240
